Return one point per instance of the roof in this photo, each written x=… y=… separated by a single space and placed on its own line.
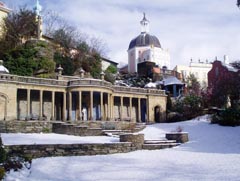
x=110 y=61
x=151 y=85
x=3 y=69
x=229 y=67
x=144 y=39
x=4 y=8
x=171 y=80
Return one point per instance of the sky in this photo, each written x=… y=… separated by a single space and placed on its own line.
x=189 y=29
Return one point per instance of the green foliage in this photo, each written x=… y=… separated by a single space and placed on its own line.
x=2 y=173
x=227 y=117
x=190 y=106
x=66 y=63
x=3 y=155
x=109 y=73
x=109 y=77
x=111 y=69
x=193 y=84
x=27 y=60
x=93 y=65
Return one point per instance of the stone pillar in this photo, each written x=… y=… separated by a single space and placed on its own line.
x=53 y=106
x=28 y=103
x=109 y=107
x=121 y=108
x=41 y=105
x=64 y=106
x=91 y=106
x=139 y=110
x=70 y=105
x=130 y=108
x=102 y=108
x=147 y=107
x=174 y=91
x=80 y=104
x=5 y=110
x=112 y=105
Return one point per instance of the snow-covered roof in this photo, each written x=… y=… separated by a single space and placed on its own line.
x=3 y=69
x=171 y=80
x=229 y=67
x=151 y=85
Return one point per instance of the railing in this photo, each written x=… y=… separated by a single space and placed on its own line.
x=78 y=82
x=138 y=90
x=90 y=82
x=32 y=80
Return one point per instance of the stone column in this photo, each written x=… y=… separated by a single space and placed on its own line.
x=112 y=107
x=102 y=108
x=53 y=106
x=80 y=104
x=5 y=109
x=64 y=106
x=28 y=103
x=130 y=108
x=121 y=108
x=109 y=107
x=70 y=105
x=139 y=110
x=41 y=105
x=91 y=106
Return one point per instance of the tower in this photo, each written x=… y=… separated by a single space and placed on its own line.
x=146 y=47
x=38 y=9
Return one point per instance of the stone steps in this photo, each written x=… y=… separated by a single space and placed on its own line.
x=159 y=141
x=159 y=144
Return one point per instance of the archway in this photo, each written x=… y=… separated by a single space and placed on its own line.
x=157 y=114
x=3 y=106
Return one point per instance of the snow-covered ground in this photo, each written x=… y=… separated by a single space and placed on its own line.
x=52 y=138
x=213 y=153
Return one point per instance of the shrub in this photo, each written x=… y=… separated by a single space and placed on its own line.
x=2 y=173
x=190 y=107
x=3 y=155
x=228 y=117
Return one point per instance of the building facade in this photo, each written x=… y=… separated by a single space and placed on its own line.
x=199 y=69
x=221 y=71
x=77 y=99
x=4 y=11
x=146 y=47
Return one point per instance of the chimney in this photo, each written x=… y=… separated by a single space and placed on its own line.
x=225 y=59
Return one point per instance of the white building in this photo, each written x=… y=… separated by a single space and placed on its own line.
x=146 y=47
x=200 y=70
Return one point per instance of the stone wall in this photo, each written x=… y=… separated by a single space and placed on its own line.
x=136 y=139
x=26 y=126
x=36 y=151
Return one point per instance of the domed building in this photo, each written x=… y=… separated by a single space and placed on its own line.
x=146 y=47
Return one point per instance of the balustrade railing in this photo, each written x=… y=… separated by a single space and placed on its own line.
x=77 y=82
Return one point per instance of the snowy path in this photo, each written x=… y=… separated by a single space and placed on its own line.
x=213 y=153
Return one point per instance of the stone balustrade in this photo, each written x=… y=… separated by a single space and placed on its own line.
x=77 y=82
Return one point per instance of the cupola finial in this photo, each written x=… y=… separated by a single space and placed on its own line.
x=144 y=24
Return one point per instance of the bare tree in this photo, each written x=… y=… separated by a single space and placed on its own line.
x=18 y=26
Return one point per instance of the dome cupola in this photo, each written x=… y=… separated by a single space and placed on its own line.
x=144 y=39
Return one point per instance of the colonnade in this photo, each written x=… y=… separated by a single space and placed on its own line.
x=63 y=104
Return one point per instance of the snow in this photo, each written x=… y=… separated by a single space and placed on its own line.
x=213 y=153
x=28 y=139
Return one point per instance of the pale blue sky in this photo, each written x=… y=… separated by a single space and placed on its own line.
x=198 y=29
